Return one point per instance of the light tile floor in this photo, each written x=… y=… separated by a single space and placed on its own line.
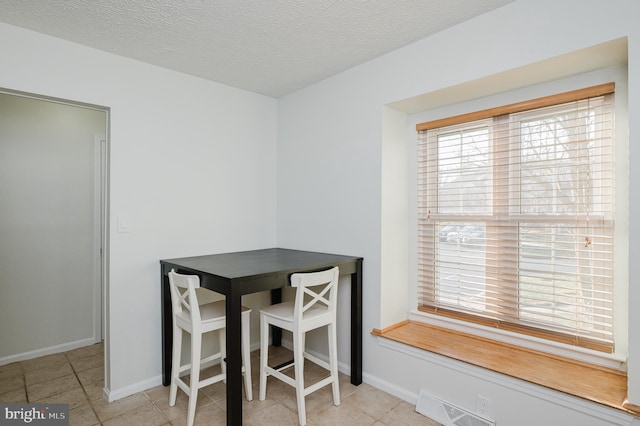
x=76 y=377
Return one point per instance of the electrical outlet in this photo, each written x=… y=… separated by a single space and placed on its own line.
x=483 y=405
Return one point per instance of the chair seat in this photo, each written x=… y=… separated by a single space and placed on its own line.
x=215 y=311
x=206 y=296
x=212 y=316
x=284 y=311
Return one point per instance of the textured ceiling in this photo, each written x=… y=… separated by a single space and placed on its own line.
x=272 y=47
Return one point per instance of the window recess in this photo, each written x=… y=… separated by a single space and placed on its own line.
x=515 y=212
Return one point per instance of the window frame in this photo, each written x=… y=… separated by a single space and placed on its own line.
x=459 y=321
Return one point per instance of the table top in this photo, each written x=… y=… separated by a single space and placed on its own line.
x=257 y=263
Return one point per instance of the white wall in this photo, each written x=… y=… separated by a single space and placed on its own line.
x=329 y=181
x=193 y=168
x=339 y=121
x=48 y=252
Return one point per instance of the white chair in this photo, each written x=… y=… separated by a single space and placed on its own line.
x=196 y=319
x=314 y=307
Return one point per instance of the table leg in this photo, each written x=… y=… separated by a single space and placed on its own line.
x=167 y=328
x=276 y=332
x=234 y=358
x=356 y=325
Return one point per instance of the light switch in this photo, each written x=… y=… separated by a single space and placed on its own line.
x=123 y=224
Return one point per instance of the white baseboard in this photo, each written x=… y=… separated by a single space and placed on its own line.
x=610 y=415
x=114 y=395
x=390 y=388
x=374 y=381
x=64 y=347
x=143 y=385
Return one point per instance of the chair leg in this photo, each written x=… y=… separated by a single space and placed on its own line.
x=333 y=362
x=264 y=354
x=298 y=360
x=175 y=364
x=246 y=355
x=196 y=344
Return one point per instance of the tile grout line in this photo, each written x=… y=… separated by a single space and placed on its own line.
x=75 y=372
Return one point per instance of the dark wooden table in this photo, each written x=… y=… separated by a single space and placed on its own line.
x=240 y=273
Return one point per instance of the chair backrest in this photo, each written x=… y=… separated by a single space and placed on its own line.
x=315 y=290
x=183 y=295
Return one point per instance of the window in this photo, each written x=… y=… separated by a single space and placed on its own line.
x=515 y=211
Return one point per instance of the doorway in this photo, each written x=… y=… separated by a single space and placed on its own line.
x=53 y=215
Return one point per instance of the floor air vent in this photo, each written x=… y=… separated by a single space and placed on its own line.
x=447 y=413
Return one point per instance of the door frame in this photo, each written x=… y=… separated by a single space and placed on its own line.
x=100 y=235
x=101 y=218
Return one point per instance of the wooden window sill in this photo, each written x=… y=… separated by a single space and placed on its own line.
x=591 y=382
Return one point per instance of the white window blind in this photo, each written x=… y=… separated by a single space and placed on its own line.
x=516 y=218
